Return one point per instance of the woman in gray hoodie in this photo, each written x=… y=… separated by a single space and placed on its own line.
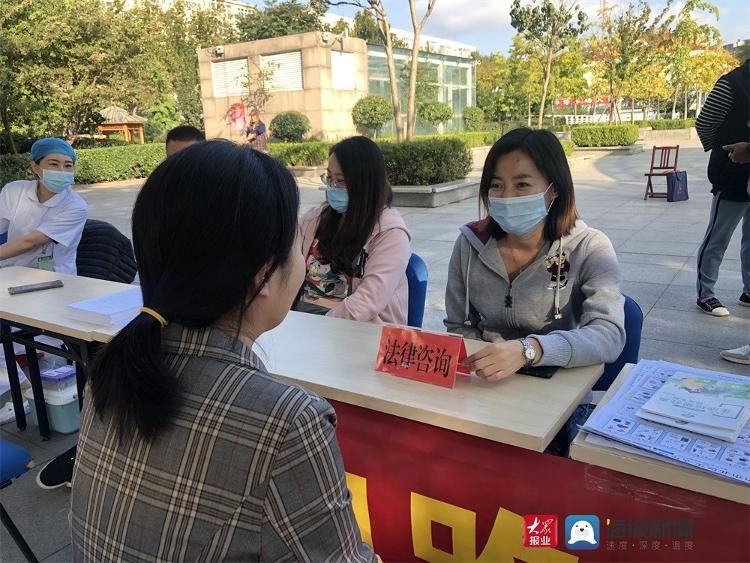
x=531 y=278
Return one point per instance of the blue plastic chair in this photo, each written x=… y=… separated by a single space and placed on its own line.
x=14 y=462
x=629 y=354
x=416 y=274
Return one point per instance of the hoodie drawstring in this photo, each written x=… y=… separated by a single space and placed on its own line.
x=558 y=314
x=467 y=320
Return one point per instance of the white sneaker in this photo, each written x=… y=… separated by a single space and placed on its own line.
x=739 y=355
x=7 y=414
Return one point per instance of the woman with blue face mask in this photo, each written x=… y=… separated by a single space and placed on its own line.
x=41 y=220
x=356 y=246
x=532 y=278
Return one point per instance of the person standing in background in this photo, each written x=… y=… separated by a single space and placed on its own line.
x=256 y=132
x=723 y=120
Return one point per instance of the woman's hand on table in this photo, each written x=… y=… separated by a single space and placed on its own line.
x=327 y=302
x=499 y=360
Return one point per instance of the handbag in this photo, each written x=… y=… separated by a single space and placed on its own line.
x=677 y=188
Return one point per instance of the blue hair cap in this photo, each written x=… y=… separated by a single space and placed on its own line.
x=51 y=145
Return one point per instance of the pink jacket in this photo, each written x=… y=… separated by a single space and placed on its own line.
x=382 y=294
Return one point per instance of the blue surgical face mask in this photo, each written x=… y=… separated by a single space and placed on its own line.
x=57 y=181
x=519 y=215
x=338 y=199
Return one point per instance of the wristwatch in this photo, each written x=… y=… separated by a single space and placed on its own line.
x=529 y=353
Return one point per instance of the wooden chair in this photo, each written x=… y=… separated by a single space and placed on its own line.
x=662 y=165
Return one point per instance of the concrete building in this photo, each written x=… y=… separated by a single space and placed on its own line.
x=321 y=75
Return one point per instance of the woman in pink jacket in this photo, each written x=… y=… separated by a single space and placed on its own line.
x=356 y=246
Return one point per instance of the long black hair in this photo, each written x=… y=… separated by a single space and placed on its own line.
x=544 y=148
x=341 y=237
x=207 y=223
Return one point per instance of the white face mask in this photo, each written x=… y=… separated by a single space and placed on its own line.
x=519 y=215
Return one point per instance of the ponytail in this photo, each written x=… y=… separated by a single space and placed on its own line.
x=130 y=381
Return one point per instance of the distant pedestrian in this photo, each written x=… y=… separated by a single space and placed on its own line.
x=182 y=137
x=256 y=132
x=724 y=120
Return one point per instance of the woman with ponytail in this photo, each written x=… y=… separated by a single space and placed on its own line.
x=188 y=449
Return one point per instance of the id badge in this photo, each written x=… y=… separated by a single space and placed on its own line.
x=45 y=263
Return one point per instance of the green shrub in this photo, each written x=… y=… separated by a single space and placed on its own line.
x=90 y=143
x=14 y=167
x=426 y=161
x=568 y=147
x=22 y=143
x=118 y=163
x=661 y=124
x=473 y=118
x=300 y=154
x=604 y=135
x=371 y=112
x=472 y=139
x=434 y=113
x=290 y=126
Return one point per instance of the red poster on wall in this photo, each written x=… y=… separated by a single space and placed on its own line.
x=237 y=119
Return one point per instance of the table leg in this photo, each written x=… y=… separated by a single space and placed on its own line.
x=15 y=385
x=36 y=386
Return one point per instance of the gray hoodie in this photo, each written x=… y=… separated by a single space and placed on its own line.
x=578 y=316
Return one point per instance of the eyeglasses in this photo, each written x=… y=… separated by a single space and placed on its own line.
x=330 y=181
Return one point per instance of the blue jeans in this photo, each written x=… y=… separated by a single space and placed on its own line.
x=724 y=218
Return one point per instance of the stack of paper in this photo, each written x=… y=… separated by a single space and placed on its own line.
x=115 y=309
x=715 y=406
x=618 y=420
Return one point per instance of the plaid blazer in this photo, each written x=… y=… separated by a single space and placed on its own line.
x=249 y=470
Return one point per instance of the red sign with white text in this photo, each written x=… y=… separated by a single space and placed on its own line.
x=570 y=102
x=429 y=357
x=540 y=530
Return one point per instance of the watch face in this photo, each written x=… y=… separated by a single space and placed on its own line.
x=529 y=353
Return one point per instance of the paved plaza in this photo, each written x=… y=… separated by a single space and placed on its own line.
x=656 y=243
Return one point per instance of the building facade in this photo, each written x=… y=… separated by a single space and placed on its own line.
x=321 y=75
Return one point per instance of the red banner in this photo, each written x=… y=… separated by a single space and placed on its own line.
x=570 y=102
x=422 y=493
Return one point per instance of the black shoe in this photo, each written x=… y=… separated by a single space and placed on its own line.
x=713 y=307
x=745 y=299
x=57 y=472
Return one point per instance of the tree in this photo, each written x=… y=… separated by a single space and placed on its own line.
x=427 y=84
x=626 y=44
x=568 y=75
x=417 y=25
x=257 y=92
x=280 y=18
x=686 y=39
x=376 y=9
x=524 y=76
x=493 y=92
x=371 y=112
x=435 y=113
x=366 y=28
x=548 y=27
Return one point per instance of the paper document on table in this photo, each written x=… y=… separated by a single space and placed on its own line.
x=716 y=405
x=618 y=420
x=113 y=309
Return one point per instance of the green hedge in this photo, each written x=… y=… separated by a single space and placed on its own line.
x=118 y=163
x=94 y=165
x=604 y=135
x=426 y=161
x=660 y=124
x=568 y=147
x=14 y=167
x=300 y=154
x=472 y=139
